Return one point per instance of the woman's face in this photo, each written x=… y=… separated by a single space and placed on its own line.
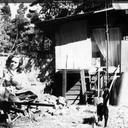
x=14 y=63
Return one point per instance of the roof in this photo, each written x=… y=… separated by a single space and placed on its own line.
x=63 y=20
x=53 y=23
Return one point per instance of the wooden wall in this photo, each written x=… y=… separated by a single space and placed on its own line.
x=73 y=47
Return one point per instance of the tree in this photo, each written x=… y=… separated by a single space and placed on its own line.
x=19 y=29
x=5 y=25
x=51 y=9
x=12 y=31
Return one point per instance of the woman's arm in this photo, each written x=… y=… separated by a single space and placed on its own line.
x=16 y=84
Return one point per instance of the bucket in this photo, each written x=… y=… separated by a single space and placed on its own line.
x=98 y=100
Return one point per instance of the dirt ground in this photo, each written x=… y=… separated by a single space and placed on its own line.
x=74 y=116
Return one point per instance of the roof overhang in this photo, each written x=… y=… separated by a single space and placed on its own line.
x=104 y=10
x=53 y=23
x=120 y=5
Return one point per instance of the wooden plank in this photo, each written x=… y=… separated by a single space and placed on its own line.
x=73 y=97
x=98 y=83
x=73 y=92
x=83 y=87
x=83 y=83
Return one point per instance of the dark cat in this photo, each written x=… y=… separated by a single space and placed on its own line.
x=102 y=108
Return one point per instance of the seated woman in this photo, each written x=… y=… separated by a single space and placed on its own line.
x=16 y=80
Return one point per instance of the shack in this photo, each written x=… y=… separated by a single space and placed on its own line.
x=96 y=39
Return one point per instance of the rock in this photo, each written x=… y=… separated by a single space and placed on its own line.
x=61 y=100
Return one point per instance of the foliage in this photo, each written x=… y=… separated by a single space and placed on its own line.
x=51 y=9
x=19 y=28
x=5 y=25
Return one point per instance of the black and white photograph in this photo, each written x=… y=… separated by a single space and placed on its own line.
x=63 y=63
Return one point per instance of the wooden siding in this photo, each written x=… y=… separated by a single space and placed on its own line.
x=73 y=47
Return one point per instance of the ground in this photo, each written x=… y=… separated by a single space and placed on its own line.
x=74 y=116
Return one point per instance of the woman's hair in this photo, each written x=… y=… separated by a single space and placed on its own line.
x=9 y=60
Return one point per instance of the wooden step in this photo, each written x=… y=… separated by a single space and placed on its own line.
x=72 y=92
x=72 y=97
x=76 y=87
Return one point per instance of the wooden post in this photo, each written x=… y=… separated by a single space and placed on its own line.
x=98 y=83
x=83 y=85
x=64 y=82
x=107 y=41
x=102 y=81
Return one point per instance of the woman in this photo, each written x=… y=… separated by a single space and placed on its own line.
x=16 y=80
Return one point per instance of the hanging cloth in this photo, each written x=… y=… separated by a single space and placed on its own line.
x=113 y=44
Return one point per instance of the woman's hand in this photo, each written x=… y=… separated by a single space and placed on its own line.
x=7 y=77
